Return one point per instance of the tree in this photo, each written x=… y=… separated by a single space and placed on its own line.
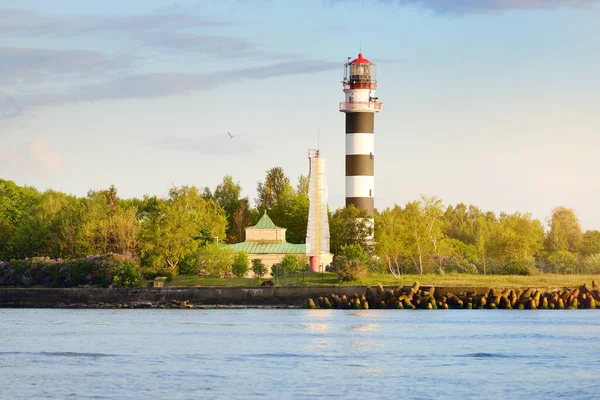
x=565 y=231
x=291 y=263
x=214 y=260
x=176 y=227
x=482 y=231
x=240 y=264
x=432 y=211
x=258 y=268
x=227 y=194
x=349 y=225
x=417 y=243
x=590 y=243
x=270 y=191
x=391 y=237
x=562 y=262
x=108 y=228
x=516 y=237
x=240 y=220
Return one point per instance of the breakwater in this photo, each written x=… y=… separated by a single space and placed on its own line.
x=415 y=297
x=285 y=296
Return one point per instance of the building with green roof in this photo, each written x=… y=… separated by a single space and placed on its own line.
x=266 y=241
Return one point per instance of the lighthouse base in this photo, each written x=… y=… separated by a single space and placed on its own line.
x=315 y=264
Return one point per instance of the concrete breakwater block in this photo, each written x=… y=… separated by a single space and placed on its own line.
x=428 y=298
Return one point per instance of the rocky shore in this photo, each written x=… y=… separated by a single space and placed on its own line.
x=585 y=297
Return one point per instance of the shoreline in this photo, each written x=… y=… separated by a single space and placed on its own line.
x=212 y=297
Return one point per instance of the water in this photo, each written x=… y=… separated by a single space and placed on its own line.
x=285 y=354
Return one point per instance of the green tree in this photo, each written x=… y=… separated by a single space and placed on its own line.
x=215 y=260
x=516 y=237
x=274 y=186
x=228 y=195
x=562 y=262
x=590 y=243
x=108 y=228
x=18 y=221
x=432 y=211
x=591 y=264
x=349 y=225
x=417 y=245
x=176 y=227
x=240 y=264
x=258 y=268
x=565 y=231
x=391 y=236
x=293 y=263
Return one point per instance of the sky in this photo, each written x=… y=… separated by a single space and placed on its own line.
x=488 y=102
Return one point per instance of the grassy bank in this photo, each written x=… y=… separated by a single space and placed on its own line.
x=386 y=279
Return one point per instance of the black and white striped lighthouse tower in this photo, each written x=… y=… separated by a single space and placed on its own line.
x=360 y=106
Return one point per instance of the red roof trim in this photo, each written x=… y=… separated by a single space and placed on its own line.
x=360 y=60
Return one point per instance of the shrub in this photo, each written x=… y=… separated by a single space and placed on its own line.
x=562 y=262
x=517 y=267
x=291 y=264
x=240 y=264
x=353 y=270
x=150 y=274
x=126 y=275
x=214 y=260
x=43 y=271
x=353 y=252
x=277 y=270
x=591 y=264
x=258 y=268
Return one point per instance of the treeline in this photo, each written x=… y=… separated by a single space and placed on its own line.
x=172 y=234
x=424 y=236
x=180 y=232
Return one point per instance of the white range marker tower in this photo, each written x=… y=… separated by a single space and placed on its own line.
x=317 y=233
x=360 y=106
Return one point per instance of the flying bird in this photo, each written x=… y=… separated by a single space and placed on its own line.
x=230 y=135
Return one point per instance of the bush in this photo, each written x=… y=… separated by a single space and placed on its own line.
x=291 y=264
x=591 y=264
x=353 y=270
x=258 y=268
x=214 y=260
x=517 y=267
x=353 y=252
x=562 y=262
x=126 y=275
x=240 y=264
x=277 y=270
x=150 y=274
x=43 y=271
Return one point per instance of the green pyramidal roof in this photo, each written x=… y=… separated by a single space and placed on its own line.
x=265 y=223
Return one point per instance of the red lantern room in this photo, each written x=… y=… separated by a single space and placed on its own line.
x=360 y=74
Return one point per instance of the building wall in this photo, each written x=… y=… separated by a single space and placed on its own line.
x=265 y=235
x=268 y=260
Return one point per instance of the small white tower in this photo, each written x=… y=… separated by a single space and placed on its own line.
x=317 y=233
x=360 y=106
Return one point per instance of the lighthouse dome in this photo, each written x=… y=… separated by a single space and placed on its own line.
x=360 y=60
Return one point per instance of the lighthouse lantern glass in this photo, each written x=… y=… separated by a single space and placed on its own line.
x=361 y=72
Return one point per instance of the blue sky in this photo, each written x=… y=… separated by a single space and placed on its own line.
x=488 y=102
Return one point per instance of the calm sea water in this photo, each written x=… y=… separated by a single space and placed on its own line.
x=277 y=354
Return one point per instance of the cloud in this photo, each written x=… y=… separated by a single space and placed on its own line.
x=218 y=145
x=223 y=46
x=17 y=64
x=462 y=7
x=22 y=22
x=33 y=157
x=180 y=83
x=9 y=108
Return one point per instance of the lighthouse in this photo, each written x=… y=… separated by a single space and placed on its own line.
x=360 y=105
